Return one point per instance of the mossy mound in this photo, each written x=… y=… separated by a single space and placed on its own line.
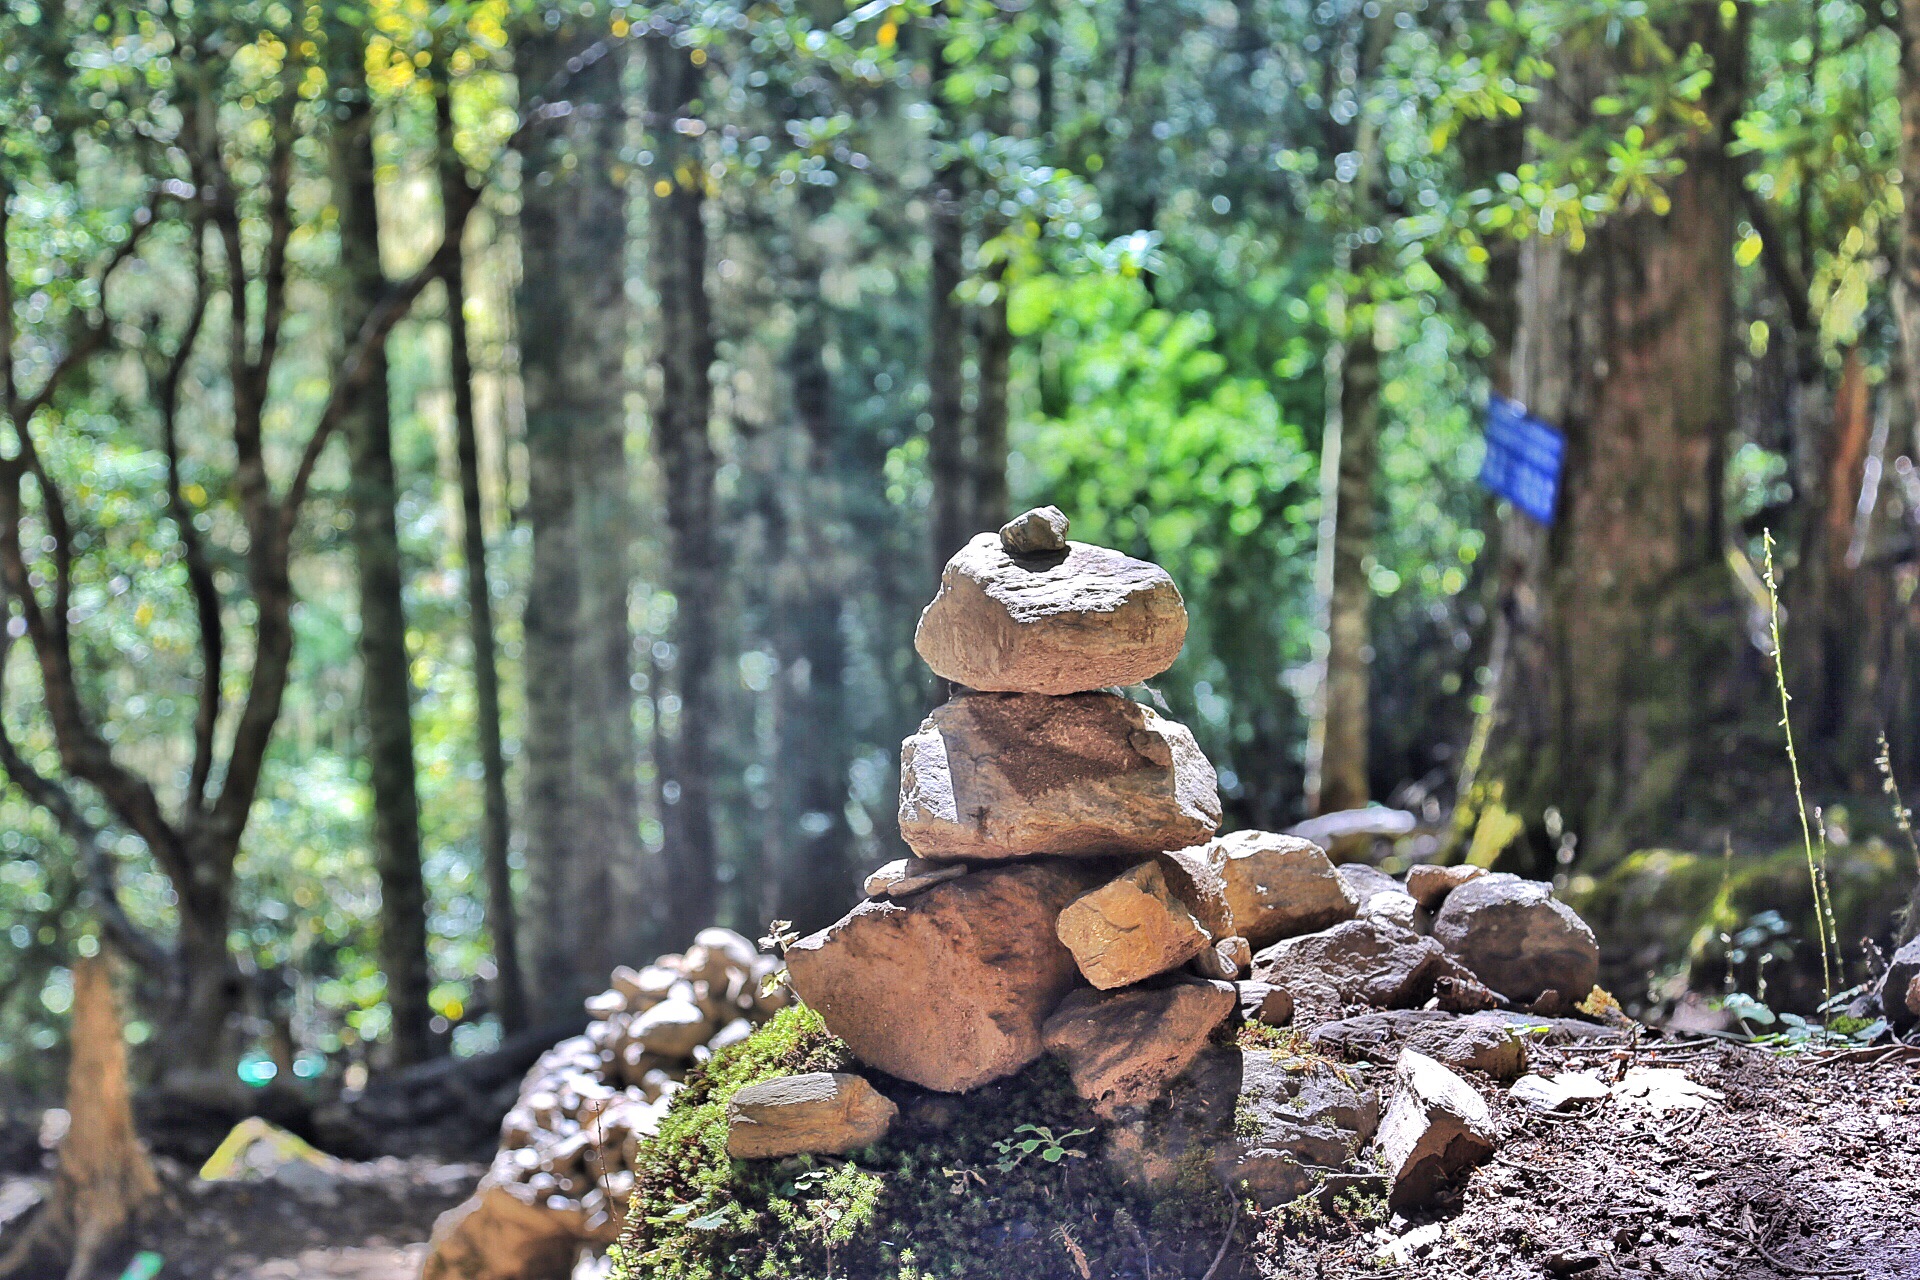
x=1004 y=1181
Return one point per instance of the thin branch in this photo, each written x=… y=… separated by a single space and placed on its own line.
x=1780 y=268
x=200 y=579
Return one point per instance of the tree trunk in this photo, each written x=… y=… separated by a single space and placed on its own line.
x=570 y=313
x=677 y=262
x=495 y=819
x=1337 y=745
x=105 y=1183
x=386 y=684
x=1624 y=630
x=991 y=409
x=946 y=371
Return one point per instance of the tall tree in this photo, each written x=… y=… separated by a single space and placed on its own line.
x=1623 y=623
x=496 y=821
x=947 y=429
x=580 y=814
x=682 y=440
x=386 y=683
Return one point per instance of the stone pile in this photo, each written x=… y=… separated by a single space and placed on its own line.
x=564 y=1171
x=1067 y=893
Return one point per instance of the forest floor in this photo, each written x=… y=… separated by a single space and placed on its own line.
x=1805 y=1167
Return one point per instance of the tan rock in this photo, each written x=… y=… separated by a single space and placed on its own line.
x=819 y=1113
x=672 y=1029
x=1429 y=885
x=995 y=776
x=1135 y=926
x=504 y=1233
x=1265 y=1003
x=948 y=989
x=1123 y=1047
x=1053 y=622
x=1227 y=960
x=904 y=877
x=1279 y=886
x=1435 y=1131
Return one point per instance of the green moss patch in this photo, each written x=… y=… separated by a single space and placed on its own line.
x=994 y=1183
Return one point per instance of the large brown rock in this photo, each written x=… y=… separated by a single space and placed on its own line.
x=1368 y=962
x=995 y=776
x=1267 y=1123
x=503 y=1233
x=818 y=1113
x=1435 y=1131
x=1279 y=886
x=949 y=988
x=1145 y=921
x=1123 y=1047
x=1520 y=940
x=1051 y=622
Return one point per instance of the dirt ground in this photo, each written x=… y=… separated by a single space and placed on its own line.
x=1810 y=1167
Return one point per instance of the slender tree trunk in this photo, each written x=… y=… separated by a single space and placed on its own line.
x=386 y=684
x=677 y=262
x=814 y=872
x=991 y=409
x=495 y=824
x=946 y=371
x=1337 y=747
x=582 y=839
x=1623 y=622
x=105 y=1183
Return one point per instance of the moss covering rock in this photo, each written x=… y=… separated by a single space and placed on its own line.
x=1006 y=1180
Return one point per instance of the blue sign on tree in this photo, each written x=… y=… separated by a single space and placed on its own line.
x=1523 y=458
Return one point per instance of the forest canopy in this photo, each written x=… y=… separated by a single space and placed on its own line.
x=470 y=471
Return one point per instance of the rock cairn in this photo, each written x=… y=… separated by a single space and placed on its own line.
x=564 y=1171
x=1067 y=893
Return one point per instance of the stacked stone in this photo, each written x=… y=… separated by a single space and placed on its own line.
x=1041 y=908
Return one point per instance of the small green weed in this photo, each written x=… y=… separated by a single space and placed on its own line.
x=1050 y=1148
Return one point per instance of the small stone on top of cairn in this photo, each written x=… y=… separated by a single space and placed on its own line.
x=1036 y=532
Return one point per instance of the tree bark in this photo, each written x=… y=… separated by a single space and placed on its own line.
x=509 y=995
x=1337 y=746
x=386 y=683
x=950 y=523
x=677 y=262
x=1623 y=624
x=105 y=1183
x=581 y=836
x=992 y=409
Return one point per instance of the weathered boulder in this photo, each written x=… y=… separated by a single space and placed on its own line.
x=1436 y=1130
x=1370 y=962
x=1265 y=1003
x=949 y=988
x=1267 y=1123
x=1054 y=622
x=1430 y=885
x=1395 y=907
x=1145 y=921
x=1896 y=987
x=995 y=776
x=1279 y=886
x=1123 y=1047
x=1520 y=940
x=818 y=1113
x=1474 y=1042
x=504 y=1233
x=1035 y=532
